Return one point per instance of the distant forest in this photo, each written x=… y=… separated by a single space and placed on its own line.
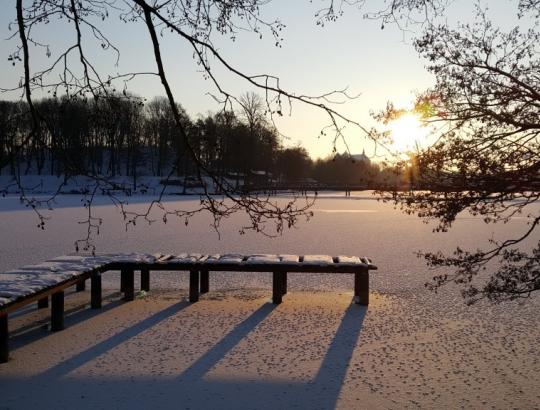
x=123 y=136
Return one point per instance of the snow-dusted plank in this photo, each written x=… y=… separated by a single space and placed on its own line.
x=87 y=261
x=231 y=258
x=60 y=267
x=186 y=258
x=204 y=258
x=131 y=257
x=290 y=259
x=10 y=274
x=24 y=284
x=35 y=277
x=366 y=261
x=319 y=260
x=164 y=258
x=71 y=258
x=213 y=258
x=263 y=259
x=349 y=260
x=16 y=273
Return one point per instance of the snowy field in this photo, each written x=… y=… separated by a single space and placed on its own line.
x=410 y=348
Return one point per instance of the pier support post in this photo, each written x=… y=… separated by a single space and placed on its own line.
x=193 y=286
x=80 y=286
x=43 y=303
x=122 y=280
x=129 y=283
x=57 y=311
x=205 y=281
x=277 y=287
x=145 y=279
x=4 y=336
x=95 y=295
x=361 y=287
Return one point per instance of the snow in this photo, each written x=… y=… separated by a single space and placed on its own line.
x=318 y=260
x=50 y=184
x=262 y=259
x=349 y=260
x=17 y=284
x=291 y=259
x=186 y=258
x=227 y=258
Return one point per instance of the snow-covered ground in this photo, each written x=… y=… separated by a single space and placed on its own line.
x=51 y=184
x=411 y=348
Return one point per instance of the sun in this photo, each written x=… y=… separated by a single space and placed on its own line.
x=407 y=132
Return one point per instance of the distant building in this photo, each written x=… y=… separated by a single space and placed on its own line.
x=361 y=157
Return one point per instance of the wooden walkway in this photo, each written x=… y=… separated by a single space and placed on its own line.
x=48 y=280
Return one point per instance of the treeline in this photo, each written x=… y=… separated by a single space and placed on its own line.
x=122 y=136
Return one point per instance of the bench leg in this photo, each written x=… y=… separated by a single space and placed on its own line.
x=43 y=303
x=361 y=287
x=4 y=336
x=205 y=281
x=129 y=284
x=80 y=286
x=123 y=273
x=95 y=291
x=57 y=311
x=193 y=286
x=145 y=279
x=284 y=283
x=277 y=287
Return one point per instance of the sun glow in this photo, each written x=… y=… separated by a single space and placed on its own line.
x=407 y=133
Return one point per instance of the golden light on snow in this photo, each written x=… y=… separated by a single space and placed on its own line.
x=407 y=132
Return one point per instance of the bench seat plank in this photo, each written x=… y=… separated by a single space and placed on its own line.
x=229 y=259
x=134 y=257
x=59 y=267
x=290 y=259
x=319 y=260
x=15 y=287
x=263 y=259
x=349 y=260
x=185 y=258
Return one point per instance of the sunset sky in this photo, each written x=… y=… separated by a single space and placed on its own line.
x=380 y=65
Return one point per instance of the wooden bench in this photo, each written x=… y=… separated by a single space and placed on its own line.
x=35 y=283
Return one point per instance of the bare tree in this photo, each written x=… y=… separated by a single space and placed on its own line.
x=487 y=158
x=74 y=74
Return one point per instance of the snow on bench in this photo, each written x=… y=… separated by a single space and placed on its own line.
x=39 y=281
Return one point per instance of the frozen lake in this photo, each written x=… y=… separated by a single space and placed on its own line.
x=411 y=348
x=356 y=225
